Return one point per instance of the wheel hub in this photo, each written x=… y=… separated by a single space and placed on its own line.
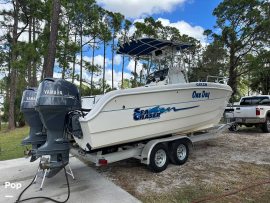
x=160 y=158
x=181 y=152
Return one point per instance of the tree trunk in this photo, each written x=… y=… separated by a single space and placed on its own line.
x=34 y=66
x=0 y=123
x=8 y=78
x=104 y=60
x=42 y=71
x=65 y=66
x=93 y=63
x=266 y=85
x=135 y=73
x=112 y=58
x=49 y=61
x=141 y=76
x=29 y=66
x=12 y=95
x=232 y=74
x=81 y=60
x=267 y=78
x=74 y=63
x=123 y=64
x=13 y=74
x=148 y=67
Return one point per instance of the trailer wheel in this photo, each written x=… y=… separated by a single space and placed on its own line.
x=234 y=127
x=158 y=158
x=179 y=152
x=266 y=125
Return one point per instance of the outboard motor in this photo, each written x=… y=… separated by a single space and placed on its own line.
x=55 y=99
x=37 y=136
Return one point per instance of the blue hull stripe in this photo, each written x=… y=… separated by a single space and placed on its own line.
x=181 y=109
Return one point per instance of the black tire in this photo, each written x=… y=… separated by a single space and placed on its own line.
x=157 y=165
x=249 y=125
x=266 y=125
x=234 y=128
x=179 y=152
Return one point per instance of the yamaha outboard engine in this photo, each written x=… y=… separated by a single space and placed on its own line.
x=55 y=99
x=37 y=136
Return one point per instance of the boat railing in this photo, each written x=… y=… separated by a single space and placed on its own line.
x=217 y=79
x=92 y=97
x=88 y=102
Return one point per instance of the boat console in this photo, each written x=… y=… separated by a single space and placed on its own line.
x=157 y=76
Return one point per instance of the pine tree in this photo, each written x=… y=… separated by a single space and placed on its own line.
x=50 y=59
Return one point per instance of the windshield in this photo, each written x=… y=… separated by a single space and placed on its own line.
x=157 y=75
x=254 y=101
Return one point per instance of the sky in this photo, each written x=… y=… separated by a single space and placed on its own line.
x=196 y=13
x=191 y=17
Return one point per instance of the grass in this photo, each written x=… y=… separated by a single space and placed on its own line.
x=10 y=142
x=186 y=194
x=255 y=189
x=198 y=193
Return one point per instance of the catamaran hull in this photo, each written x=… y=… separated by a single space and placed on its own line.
x=131 y=115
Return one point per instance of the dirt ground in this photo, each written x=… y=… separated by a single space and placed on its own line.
x=234 y=167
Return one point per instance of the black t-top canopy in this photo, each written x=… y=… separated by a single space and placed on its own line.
x=145 y=46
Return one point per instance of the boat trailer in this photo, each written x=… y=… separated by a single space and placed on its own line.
x=156 y=153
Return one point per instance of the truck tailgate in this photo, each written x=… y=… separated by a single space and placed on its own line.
x=245 y=111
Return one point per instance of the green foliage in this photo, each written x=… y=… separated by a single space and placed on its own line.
x=105 y=33
x=259 y=73
x=96 y=69
x=99 y=86
x=213 y=63
x=19 y=119
x=115 y=22
x=66 y=50
x=10 y=143
x=243 y=27
x=150 y=28
x=126 y=84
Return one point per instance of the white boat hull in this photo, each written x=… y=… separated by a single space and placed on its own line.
x=125 y=116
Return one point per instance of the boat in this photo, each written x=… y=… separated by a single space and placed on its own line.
x=166 y=105
x=137 y=122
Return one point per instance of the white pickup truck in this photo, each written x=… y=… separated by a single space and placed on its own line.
x=252 y=111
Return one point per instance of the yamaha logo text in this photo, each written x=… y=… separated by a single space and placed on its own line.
x=54 y=92
x=30 y=98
